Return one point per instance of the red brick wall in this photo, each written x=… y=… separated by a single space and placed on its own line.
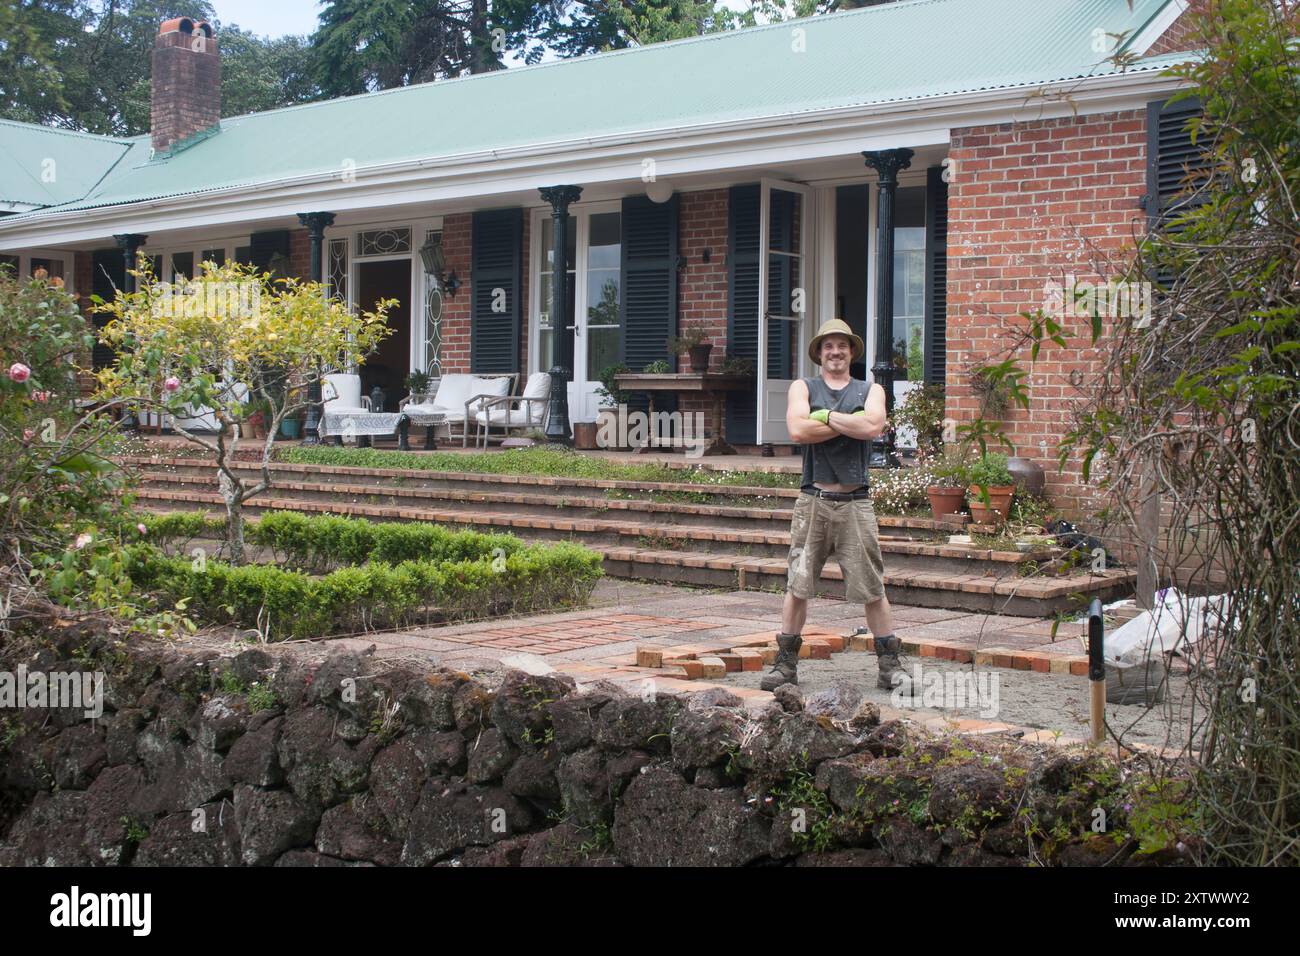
x=1028 y=203
x=456 y=236
x=185 y=88
x=702 y=286
x=1181 y=35
x=300 y=254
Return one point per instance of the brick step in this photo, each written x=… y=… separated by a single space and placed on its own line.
x=902 y=552
x=524 y=502
x=1005 y=593
x=524 y=494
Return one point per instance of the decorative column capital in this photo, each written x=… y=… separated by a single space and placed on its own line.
x=316 y=223
x=888 y=163
x=560 y=196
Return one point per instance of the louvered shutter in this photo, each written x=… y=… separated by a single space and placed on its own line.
x=494 y=315
x=936 y=276
x=108 y=275
x=1176 y=167
x=648 y=309
x=265 y=246
x=742 y=305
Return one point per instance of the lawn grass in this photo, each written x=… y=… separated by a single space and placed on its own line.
x=557 y=463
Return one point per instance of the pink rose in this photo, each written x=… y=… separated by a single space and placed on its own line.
x=28 y=434
x=141 y=528
x=19 y=372
x=172 y=384
x=41 y=396
x=84 y=539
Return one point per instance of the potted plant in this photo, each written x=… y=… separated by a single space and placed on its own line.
x=946 y=494
x=737 y=366
x=609 y=397
x=990 y=489
x=417 y=383
x=695 y=342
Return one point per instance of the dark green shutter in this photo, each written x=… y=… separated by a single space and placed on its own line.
x=780 y=280
x=265 y=246
x=1176 y=168
x=742 y=305
x=648 y=305
x=497 y=264
x=936 y=275
x=648 y=300
x=108 y=274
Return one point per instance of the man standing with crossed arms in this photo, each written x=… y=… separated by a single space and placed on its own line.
x=835 y=417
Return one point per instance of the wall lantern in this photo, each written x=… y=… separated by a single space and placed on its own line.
x=435 y=264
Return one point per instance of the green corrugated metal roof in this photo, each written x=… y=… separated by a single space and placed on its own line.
x=44 y=166
x=903 y=51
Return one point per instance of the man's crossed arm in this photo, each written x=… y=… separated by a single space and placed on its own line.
x=810 y=428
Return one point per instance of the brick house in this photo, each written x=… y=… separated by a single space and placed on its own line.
x=1006 y=141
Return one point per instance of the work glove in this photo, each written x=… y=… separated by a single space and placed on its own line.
x=822 y=415
x=860 y=411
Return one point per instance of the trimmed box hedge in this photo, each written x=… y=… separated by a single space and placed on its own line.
x=378 y=575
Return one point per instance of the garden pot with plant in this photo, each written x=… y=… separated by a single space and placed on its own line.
x=948 y=490
x=694 y=342
x=990 y=489
x=418 y=385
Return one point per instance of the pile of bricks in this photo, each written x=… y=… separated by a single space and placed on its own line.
x=710 y=660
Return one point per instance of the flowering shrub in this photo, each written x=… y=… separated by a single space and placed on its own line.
x=901 y=491
x=232 y=340
x=57 y=485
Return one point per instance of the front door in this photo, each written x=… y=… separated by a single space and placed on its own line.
x=389 y=365
x=784 y=293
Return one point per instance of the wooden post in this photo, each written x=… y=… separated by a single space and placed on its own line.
x=1148 y=530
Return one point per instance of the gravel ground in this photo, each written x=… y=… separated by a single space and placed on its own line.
x=1044 y=701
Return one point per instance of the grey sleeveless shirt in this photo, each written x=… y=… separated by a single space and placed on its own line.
x=839 y=460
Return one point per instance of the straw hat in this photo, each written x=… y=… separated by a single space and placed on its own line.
x=834 y=327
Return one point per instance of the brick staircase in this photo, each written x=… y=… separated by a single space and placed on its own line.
x=712 y=536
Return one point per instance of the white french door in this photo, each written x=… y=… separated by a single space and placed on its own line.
x=785 y=289
x=594 y=273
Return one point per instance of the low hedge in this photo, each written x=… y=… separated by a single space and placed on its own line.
x=322 y=543
x=288 y=603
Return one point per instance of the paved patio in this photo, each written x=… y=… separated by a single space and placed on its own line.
x=1042 y=683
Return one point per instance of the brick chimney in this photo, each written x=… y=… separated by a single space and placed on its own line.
x=185 y=90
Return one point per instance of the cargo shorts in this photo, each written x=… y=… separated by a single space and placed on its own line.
x=846 y=529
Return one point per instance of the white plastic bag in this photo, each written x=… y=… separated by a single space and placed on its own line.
x=1176 y=622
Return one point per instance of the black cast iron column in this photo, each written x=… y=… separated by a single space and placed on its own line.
x=557 y=415
x=887 y=163
x=316 y=223
x=130 y=243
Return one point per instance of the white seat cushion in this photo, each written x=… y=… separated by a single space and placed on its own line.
x=453 y=392
x=513 y=416
x=539 y=385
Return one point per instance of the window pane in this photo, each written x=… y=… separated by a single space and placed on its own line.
x=215 y=255
x=10 y=262
x=602 y=350
x=53 y=267
x=909 y=284
x=602 y=297
x=182 y=265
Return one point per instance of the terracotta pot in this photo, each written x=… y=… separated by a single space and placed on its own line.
x=999 y=499
x=584 y=435
x=945 y=500
x=981 y=515
x=700 y=356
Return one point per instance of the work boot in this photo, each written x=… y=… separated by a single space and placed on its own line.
x=785 y=669
x=887 y=658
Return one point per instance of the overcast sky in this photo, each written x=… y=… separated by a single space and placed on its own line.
x=279 y=17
